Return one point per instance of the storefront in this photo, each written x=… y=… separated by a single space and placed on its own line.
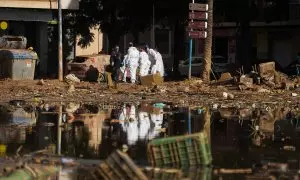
x=30 y=18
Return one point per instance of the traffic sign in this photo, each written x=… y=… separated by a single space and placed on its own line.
x=198 y=7
x=3 y=25
x=198 y=25
x=197 y=34
x=198 y=15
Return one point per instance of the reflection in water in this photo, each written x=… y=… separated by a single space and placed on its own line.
x=240 y=137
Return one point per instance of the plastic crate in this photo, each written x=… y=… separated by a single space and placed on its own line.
x=163 y=174
x=180 y=151
x=120 y=166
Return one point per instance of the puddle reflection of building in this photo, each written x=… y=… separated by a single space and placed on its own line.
x=13 y=126
x=45 y=131
x=179 y=124
x=87 y=128
x=251 y=132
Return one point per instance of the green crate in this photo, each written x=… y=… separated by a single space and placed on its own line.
x=180 y=151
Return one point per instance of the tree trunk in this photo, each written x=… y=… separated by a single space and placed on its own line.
x=207 y=125
x=208 y=44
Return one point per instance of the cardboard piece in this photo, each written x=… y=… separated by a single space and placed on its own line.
x=153 y=79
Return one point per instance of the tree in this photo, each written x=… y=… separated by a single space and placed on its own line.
x=208 y=43
x=114 y=17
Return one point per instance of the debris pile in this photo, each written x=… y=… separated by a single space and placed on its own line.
x=261 y=79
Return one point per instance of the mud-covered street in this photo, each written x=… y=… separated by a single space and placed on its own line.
x=192 y=93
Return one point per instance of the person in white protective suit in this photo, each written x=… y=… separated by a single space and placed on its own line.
x=152 y=57
x=131 y=62
x=159 y=64
x=145 y=63
x=157 y=119
x=144 y=125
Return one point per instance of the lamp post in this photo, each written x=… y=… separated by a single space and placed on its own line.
x=60 y=48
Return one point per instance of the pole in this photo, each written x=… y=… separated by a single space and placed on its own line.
x=191 y=52
x=59 y=128
x=190 y=58
x=60 y=48
x=189 y=121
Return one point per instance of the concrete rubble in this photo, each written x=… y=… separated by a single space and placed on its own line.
x=263 y=80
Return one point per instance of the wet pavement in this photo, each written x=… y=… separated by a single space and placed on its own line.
x=239 y=137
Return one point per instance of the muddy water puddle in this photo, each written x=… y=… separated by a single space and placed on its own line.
x=239 y=137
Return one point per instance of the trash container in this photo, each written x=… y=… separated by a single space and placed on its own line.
x=13 y=42
x=17 y=64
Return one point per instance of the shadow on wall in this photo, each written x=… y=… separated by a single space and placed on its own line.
x=68 y=48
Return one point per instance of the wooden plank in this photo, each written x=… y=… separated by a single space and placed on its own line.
x=197 y=25
x=198 y=7
x=198 y=15
x=197 y=34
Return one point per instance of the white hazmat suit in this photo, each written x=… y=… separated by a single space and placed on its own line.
x=153 y=59
x=132 y=61
x=144 y=63
x=159 y=64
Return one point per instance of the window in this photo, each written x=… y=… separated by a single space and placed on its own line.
x=219 y=60
x=162 y=40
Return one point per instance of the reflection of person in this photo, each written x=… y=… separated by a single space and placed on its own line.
x=131 y=61
x=157 y=119
x=128 y=121
x=144 y=125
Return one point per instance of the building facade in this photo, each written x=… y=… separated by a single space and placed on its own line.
x=30 y=18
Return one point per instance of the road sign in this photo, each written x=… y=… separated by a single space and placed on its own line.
x=198 y=7
x=198 y=25
x=198 y=15
x=3 y=25
x=197 y=34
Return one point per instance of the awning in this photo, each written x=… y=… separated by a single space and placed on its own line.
x=15 y=14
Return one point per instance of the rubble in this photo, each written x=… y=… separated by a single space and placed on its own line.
x=183 y=89
x=247 y=81
x=160 y=89
x=41 y=82
x=263 y=90
x=227 y=95
x=71 y=88
x=71 y=78
x=294 y=94
x=267 y=70
x=225 y=77
x=288 y=85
